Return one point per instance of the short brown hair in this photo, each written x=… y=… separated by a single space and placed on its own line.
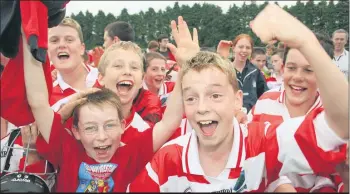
x=124 y=45
x=153 y=55
x=73 y=24
x=99 y=98
x=153 y=44
x=206 y=59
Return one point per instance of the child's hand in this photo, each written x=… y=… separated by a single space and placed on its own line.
x=224 y=48
x=273 y=23
x=187 y=46
x=66 y=110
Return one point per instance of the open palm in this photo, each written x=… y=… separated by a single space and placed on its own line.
x=187 y=46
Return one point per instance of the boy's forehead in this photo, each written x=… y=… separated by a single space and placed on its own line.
x=193 y=78
x=121 y=55
x=260 y=56
x=62 y=31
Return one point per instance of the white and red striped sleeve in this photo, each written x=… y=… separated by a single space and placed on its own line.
x=321 y=147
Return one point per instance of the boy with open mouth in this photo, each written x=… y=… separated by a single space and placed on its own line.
x=222 y=156
x=94 y=159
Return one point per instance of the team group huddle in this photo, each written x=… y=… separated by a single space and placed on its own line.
x=121 y=124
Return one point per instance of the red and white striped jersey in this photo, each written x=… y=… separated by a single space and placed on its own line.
x=270 y=109
x=176 y=166
x=134 y=127
x=61 y=90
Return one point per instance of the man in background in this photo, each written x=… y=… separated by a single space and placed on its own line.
x=341 y=55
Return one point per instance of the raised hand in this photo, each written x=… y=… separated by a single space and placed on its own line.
x=224 y=48
x=66 y=110
x=96 y=55
x=273 y=23
x=187 y=45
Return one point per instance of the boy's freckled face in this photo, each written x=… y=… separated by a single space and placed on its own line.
x=99 y=130
x=210 y=105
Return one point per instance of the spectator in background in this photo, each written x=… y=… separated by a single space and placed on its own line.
x=341 y=55
x=163 y=40
x=113 y=33
x=250 y=79
x=258 y=59
x=118 y=31
x=154 y=77
x=276 y=79
x=153 y=46
x=270 y=48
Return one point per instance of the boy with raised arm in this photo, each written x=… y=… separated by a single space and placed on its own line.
x=92 y=160
x=221 y=156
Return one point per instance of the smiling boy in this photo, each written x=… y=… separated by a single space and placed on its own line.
x=93 y=159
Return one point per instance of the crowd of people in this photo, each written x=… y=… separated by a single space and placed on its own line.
x=173 y=118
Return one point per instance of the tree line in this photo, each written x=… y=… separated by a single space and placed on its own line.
x=213 y=25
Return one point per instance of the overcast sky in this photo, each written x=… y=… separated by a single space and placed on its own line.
x=133 y=7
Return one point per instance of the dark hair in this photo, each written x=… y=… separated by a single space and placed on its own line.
x=103 y=96
x=258 y=51
x=122 y=30
x=161 y=37
x=325 y=42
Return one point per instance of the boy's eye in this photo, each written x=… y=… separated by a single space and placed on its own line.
x=90 y=129
x=190 y=99
x=216 y=96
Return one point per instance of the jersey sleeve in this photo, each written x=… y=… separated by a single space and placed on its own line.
x=148 y=106
x=147 y=180
x=52 y=151
x=321 y=147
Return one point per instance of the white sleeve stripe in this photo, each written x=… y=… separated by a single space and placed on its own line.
x=280 y=181
x=322 y=182
x=153 y=175
x=326 y=138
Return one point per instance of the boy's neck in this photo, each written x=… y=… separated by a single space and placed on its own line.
x=214 y=159
x=299 y=110
x=76 y=78
x=126 y=110
x=161 y=49
x=152 y=89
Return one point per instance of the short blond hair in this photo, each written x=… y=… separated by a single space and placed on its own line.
x=73 y=24
x=124 y=45
x=205 y=59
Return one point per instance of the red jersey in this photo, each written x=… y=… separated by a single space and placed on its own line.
x=135 y=126
x=80 y=173
x=176 y=166
x=148 y=106
x=165 y=89
x=270 y=108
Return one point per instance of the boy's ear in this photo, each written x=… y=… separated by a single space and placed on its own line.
x=76 y=133
x=100 y=79
x=238 y=100
x=116 y=39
